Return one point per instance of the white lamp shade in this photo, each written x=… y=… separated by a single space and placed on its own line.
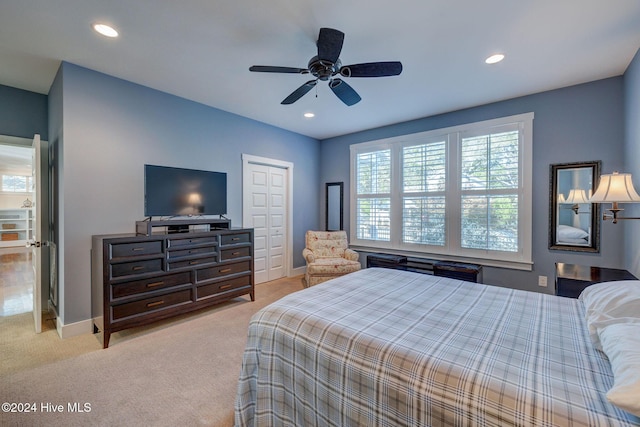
x=195 y=199
x=576 y=196
x=616 y=187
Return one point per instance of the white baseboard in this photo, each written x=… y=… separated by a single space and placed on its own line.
x=298 y=271
x=74 y=329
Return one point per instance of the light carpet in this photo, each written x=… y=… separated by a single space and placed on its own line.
x=179 y=373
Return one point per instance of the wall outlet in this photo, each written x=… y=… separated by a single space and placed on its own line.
x=542 y=281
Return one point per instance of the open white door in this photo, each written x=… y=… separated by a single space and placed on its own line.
x=34 y=240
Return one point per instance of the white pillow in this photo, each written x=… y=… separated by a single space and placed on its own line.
x=621 y=344
x=568 y=232
x=607 y=303
x=577 y=241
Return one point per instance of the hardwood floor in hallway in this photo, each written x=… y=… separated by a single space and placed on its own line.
x=16 y=281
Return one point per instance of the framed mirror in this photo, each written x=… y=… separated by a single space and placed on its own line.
x=334 y=194
x=574 y=222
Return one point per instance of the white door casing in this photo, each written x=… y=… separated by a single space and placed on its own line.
x=266 y=207
x=34 y=241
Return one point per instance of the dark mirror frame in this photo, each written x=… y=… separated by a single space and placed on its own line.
x=334 y=207
x=554 y=170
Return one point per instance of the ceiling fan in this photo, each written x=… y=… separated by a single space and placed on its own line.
x=326 y=65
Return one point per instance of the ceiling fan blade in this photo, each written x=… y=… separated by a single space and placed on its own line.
x=372 y=69
x=344 y=92
x=271 y=69
x=299 y=93
x=330 y=44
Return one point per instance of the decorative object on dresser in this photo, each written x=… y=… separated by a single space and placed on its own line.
x=139 y=279
x=572 y=279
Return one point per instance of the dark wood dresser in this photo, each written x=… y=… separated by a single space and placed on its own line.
x=572 y=279
x=139 y=279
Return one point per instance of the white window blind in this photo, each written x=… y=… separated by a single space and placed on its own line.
x=463 y=191
x=490 y=187
x=373 y=170
x=423 y=193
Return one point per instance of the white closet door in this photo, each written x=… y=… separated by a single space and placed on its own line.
x=265 y=210
x=277 y=216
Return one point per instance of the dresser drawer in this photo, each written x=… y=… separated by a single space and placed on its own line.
x=172 y=265
x=205 y=291
x=122 y=311
x=232 y=239
x=135 y=267
x=173 y=254
x=227 y=254
x=125 y=289
x=222 y=270
x=208 y=240
x=117 y=250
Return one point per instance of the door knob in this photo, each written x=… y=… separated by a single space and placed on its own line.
x=36 y=244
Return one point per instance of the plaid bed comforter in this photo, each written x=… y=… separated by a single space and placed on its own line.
x=384 y=347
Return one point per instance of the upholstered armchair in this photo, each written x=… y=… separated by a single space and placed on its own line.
x=328 y=256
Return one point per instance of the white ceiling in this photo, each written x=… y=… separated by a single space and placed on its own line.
x=202 y=50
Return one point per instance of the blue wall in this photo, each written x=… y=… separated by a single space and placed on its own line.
x=110 y=128
x=578 y=123
x=23 y=113
x=107 y=128
x=632 y=163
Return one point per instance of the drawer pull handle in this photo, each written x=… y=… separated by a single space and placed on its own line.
x=235 y=238
x=137 y=249
x=235 y=253
x=225 y=287
x=154 y=284
x=225 y=270
x=153 y=304
x=138 y=268
x=193 y=262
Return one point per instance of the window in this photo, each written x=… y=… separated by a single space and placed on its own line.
x=373 y=207
x=462 y=191
x=16 y=183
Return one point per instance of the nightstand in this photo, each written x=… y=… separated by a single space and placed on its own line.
x=571 y=279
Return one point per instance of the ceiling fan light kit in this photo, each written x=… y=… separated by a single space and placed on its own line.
x=326 y=65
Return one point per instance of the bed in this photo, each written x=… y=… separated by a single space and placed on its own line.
x=384 y=347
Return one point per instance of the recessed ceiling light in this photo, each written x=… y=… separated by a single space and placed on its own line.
x=494 y=58
x=105 y=30
x=309 y=115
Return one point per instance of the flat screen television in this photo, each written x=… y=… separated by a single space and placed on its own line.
x=172 y=191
